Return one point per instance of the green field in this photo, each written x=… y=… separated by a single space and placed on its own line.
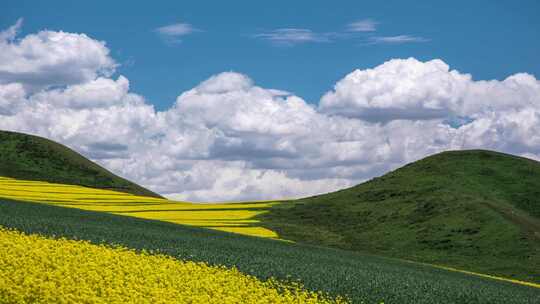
x=473 y=210
x=364 y=278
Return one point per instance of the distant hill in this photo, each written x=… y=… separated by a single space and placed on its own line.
x=34 y=158
x=475 y=210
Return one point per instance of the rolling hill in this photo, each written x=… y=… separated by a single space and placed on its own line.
x=475 y=210
x=31 y=157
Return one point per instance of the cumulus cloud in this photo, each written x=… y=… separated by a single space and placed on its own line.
x=50 y=58
x=230 y=139
x=398 y=89
x=409 y=89
x=12 y=96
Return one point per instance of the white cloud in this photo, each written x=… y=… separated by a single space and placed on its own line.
x=354 y=30
x=11 y=32
x=229 y=139
x=97 y=93
x=52 y=58
x=239 y=183
x=413 y=90
x=12 y=97
x=398 y=89
x=365 y=25
x=173 y=32
x=399 y=39
x=292 y=36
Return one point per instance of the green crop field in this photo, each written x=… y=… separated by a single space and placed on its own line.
x=364 y=278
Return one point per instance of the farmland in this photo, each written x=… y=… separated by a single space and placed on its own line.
x=363 y=278
x=84 y=272
x=237 y=217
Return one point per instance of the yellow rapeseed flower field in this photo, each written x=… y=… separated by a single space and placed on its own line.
x=231 y=217
x=35 y=269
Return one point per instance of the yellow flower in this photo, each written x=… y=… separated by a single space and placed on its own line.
x=231 y=217
x=35 y=269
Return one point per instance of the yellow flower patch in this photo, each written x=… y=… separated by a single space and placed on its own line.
x=35 y=269
x=231 y=217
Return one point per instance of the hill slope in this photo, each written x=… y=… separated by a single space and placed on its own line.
x=475 y=210
x=34 y=158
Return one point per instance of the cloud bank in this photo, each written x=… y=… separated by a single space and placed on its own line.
x=230 y=139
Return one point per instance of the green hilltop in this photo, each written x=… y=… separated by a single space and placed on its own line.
x=31 y=157
x=475 y=210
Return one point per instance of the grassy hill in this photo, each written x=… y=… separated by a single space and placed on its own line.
x=474 y=210
x=363 y=278
x=30 y=157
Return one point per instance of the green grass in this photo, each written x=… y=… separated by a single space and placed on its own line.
x=474 y=210
x=364 y=278
x=34 y=158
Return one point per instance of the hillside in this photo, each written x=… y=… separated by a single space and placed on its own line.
x=30 y=157
x=363 y=278
x=474 y=210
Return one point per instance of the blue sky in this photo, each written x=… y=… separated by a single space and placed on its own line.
x=373 y=86
x=489 y=39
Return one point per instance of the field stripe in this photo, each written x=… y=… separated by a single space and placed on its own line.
x=229 y=217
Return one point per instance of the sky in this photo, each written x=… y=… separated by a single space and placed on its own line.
x=489 y=39
x=214 y=101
